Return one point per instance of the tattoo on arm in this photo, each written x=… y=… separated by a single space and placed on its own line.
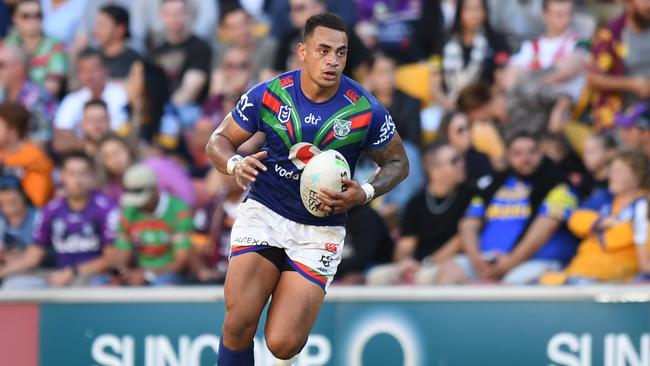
x=393 y=166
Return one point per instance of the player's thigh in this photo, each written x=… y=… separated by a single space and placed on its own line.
x=294 y=308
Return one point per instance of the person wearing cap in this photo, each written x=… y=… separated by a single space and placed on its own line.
x=111 y=31
x=78 y=226
x=154 y=225
x=634 y=127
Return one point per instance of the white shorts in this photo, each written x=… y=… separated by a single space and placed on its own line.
x=313 y=251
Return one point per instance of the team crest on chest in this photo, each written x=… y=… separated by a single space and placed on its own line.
x=341 y=128
x=284 y=113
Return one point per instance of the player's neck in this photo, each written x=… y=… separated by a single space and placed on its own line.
x=78 y=203
x=315 y=92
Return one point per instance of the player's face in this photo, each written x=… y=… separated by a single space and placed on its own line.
x=77 y=177
x=323 y=56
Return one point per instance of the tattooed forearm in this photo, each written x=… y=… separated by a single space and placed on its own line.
x=393 y=166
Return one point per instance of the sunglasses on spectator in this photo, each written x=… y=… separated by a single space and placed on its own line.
x=27 y=16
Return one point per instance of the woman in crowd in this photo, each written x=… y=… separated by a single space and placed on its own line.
x=600 y=149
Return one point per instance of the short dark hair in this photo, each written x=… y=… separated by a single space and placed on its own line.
x=79 y=155
x=88 y=53
x=545 y=3
x=378 y=55
x=521 y=133
x=119 y=15
x=229 y=7
x=474 y=96
x=431 y=150
x=95 y=103
x=607 y=139
x=326 y=19
x=16 y=116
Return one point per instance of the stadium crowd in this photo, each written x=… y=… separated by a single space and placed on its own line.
x=527 y=125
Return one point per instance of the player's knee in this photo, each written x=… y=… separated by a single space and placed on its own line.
x=284 y=346
x=238 y=325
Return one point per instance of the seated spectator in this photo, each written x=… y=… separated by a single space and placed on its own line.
x=172 y=177
x=455 y=130
x=634 y=127
x=554 y=58
x=93 y=76
x=430 y=222
x=115 y=156
x=512 y=231
x=211 y=238
x=236 y=29
x=79 y=226
x=389 y=26
x=614 y=236
x=155 y=227
x=474 y=50
x=363 y=248
x=95 y=126
x=186 y=60
x=600 y=149
x=285 y=58
x=148 y=28
x=404 y=108
x=619 y=79
x=111 y=31
x=17 y=220
x=61 y=18
x=557 y=148
x=48 y=62
x=17 y=88
x=22 y=157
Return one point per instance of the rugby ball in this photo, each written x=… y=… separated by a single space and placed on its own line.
x=324 y=170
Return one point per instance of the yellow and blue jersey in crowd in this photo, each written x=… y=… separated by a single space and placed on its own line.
x=508 y=214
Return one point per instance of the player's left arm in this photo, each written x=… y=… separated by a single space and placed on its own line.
x=393 y=168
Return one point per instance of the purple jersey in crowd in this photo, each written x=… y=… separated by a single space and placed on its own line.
x=77 y=236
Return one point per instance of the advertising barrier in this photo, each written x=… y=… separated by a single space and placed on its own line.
x=409 y=326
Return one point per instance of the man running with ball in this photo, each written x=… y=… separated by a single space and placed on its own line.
x=278 y=248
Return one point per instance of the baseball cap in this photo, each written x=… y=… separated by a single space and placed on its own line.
x=637 y=115
x=139 y=184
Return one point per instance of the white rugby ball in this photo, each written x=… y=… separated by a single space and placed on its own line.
x=324 y=170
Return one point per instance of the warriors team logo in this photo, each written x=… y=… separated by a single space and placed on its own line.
x=341 y=128
x=284 y=113
x=301 y=153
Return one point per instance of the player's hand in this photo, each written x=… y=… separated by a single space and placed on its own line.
x=246 y=170
x=135 y=277
x=61 y=277
x=338 y=202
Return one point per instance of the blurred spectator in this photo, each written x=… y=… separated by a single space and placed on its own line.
x=634 y=127
x=186 y=60
x=390 y=26
x=87 y=24
x=148 y=29
x=93 y=76
x=363 y=248
x=557 y=148
x=156 y=227
x=114 y=158
x=404 y=108
x=278 y=10
x=236 y=29
x=48 y=63
x=301 y=10
x=211 y=239
x=16 y=87
x=17 y=219
x=79 y=226
x=619 y=73
x=95 y=126
x=22 y=157
x=172 y=178
x=512 y=231
x=430 y=221
x=554 y=59
x=599 y=152
x=435 y=24
x=474 y=50
x=111 y=31
x=455 y=130
x=517 y=20
x=61 y=18
x=615 y=235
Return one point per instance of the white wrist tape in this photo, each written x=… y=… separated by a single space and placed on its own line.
x=230 y=166
x=370 y=192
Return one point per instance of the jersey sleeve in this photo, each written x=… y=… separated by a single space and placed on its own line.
x=42 y=234
x=381 y=129
x=110 y=226
x=640 y=223
x=247 y=111
x=122 y=240
x=559 y=203
x=476 y=208
x=183 y=226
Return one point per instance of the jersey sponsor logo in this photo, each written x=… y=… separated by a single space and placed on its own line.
x=285 y=173
x=86 y=241
x=286 y=81
x=284 y=113
x=332 y=247
x=352 y=96
x=341 y=128
x=301 y=153
x=387 y=130
x=242 y=105
x=326 y=260
x=312 y=120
